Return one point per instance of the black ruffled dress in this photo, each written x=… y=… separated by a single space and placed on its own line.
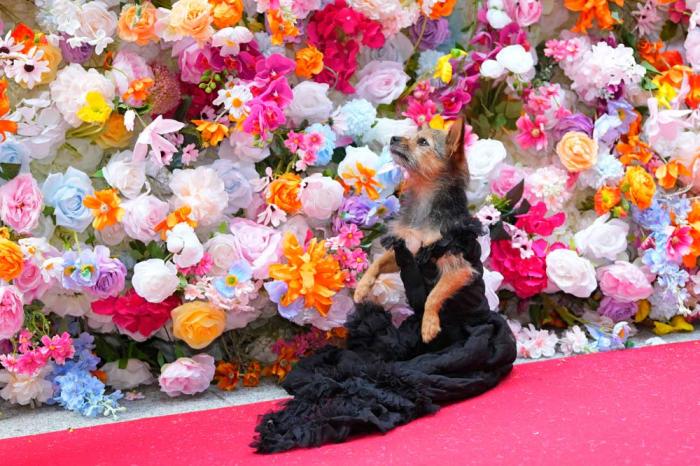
x=387 y=376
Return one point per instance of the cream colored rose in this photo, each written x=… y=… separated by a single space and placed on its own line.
x=577 y=151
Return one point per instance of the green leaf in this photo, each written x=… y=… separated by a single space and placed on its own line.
x=9 y=170
x=160 y=359
x=98 y=174
x=123 y=362
x=649 y=67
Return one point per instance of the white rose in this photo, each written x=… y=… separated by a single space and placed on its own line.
x=97 y=24
x=72 y=84
x=310 y=102
x=124 y=174
x=141 y=215
x=203 y=191
x=603 y=239
x=184 y=244
x=385 y=128
x=483 y=157
x=571 y=273
x=134 y=374
x=320 y=196
x=491 y=69
x=515 y=59
x=222 y=249
x=155 y=280
x=242 y=147
x=498 y=19
x=237 y=179
x=381 y=82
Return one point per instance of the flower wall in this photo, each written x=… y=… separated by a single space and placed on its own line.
x=189 y=190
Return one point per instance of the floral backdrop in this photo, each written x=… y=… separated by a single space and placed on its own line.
x=189 y=190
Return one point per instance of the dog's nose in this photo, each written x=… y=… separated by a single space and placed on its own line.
x=395 y=139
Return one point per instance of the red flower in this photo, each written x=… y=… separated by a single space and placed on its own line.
x=136 y=315
x=528 y=277
x=535 y=223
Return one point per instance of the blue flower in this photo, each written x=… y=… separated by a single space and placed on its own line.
x=325 y=153
x=653 y=218
x=65 y=193
x=81 y=392
x=357 y=117
x=389 y=173
x=240 y=272
x=276 y=290
x=80 y=270
x=12 y=152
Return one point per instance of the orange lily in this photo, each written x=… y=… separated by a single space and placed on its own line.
x=668 y=174
x=592 y=10
x=105 y=206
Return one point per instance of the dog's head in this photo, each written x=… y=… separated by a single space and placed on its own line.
x=432 y=154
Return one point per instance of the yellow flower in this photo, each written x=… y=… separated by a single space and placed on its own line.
x=639 y=186
x=665 y=93
x=284 y=193
x=11 y=260
x=643 y=310
x=437 y=122
x=95 y=110
x=678 y=324
x=212 y=133
x=443 y=69
x=313 y=274
x=114 y=134
x=198 y=323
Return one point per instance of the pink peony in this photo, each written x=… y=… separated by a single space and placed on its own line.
x=320 y=196
x=624 y=281
x=507 y=178
x=141 y=215
x=32 y=282
x=21 y=203
x=11 y=311
x=187 y=376
x=257 y=244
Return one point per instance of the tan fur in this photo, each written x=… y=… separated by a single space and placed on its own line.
x=415 y=238
x=386 y=263
x=455 y=273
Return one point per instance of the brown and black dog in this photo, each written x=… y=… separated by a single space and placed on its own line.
x=432 y=198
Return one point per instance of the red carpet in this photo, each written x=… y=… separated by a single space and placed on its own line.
x=627 y=407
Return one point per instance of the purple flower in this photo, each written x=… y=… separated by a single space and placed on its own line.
x=616 y=122
x=111 y=274
x=79 y=269
x=356 y=210
x=435 y=33
x=79 y=54
x=616 y=310
x=574 y=122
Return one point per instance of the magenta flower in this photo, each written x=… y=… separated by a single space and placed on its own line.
x=420 y=112
x=350 y=236
x=58 y=347
x=272 y=68
x=679 y=243
x=263 y=117
x=535 y=223
x=278 y=93
x=531 y=133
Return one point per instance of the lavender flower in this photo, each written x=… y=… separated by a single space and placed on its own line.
x=435 y=33
x=111 y=274
x=574 y=122
x=616 y=310
x=71 y=54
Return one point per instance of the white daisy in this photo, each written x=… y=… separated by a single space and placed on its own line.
x=234 y=100
x=8 y=47
x=28 y=69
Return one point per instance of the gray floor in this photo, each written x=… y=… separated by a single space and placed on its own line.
x=18 y=421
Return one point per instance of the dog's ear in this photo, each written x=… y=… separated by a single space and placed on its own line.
x=454 y=144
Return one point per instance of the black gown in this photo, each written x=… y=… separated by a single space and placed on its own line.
x=387 y=376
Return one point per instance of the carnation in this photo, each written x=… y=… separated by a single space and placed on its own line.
x=72 y=84
x=354 y=118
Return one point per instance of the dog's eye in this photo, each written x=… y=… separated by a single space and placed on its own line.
x=423 y=142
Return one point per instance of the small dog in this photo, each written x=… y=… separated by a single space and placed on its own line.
x=433 y=199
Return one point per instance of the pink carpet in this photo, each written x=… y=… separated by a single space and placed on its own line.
x=626 y=407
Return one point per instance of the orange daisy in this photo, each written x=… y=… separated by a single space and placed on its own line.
x=212 y=133
x=105 y=206
x=181 y=215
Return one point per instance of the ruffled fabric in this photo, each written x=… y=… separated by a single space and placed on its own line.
x=386 y=376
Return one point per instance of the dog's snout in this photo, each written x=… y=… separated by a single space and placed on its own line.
x=395 y=139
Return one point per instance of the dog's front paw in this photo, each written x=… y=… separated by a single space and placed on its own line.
x=364 y=287
x=430 y=327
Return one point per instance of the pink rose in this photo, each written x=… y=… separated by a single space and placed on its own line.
x=21 y=203
x=692 y=48
x=187 y=376
x=195 y=60
x=320 y=196
x=625 y=282
x=141 y=215
x=257 y=244
x=131 y=67
x=11 y=311
x=381 y=82
x=524 y=12
x=31 y=282
x=507 y=178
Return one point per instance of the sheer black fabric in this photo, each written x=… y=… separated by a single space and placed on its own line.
x=387 y=376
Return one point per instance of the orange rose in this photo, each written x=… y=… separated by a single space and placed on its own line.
x=309 y=62
x=52 y=55
x=284 y=193
x=605 y=199
x=226 y=12
x=190 y=18
x=577 y=151
x=114 y=134
x=11 y=260
x=638 y=186
x=137 y=23
x=198 y=323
